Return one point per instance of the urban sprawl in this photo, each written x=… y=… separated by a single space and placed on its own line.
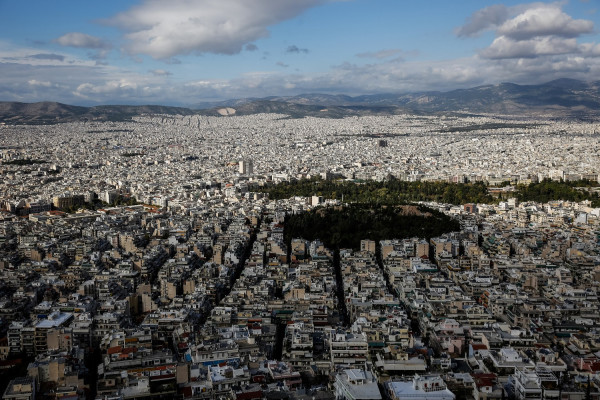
x=142 y=260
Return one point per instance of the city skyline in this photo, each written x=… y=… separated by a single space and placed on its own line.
x=188 y=52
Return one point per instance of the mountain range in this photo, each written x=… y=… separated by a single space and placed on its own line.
x=562 y=98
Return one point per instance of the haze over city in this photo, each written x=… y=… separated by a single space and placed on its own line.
x=183 y=52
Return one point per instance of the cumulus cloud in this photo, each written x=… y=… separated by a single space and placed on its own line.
x=527 y=30
x=177 y=27
x=482 y=20
x=282 y=64
x=295 y=49
x=126 y=89
x=590 y=49
x=525 y=21
x=251 y=47
x=506 y=47
x=381 y=54
x=82 y=40
x=544 y=21
x=121 y=86
x=400 y=76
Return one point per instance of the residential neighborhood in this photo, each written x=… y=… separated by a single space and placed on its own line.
x=144 y=260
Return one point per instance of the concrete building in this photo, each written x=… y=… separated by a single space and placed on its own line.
x=356 y=384
x=426 y=387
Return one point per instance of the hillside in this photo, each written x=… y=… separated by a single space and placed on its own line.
x=51 y=112
x=562 y=98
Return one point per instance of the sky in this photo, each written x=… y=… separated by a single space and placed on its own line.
x=186 y=52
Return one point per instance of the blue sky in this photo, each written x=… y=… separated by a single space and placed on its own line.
x=183 y=52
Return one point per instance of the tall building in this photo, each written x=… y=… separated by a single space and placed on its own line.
x=246 y=167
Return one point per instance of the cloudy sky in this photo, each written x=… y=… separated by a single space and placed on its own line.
x=183 y=52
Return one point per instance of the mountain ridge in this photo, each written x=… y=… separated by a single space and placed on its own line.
x=560 y=98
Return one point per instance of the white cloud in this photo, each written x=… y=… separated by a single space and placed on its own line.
x=506 y=47
x=482 y=20
x=133 y=89
x=82 y=40
x=528 y=31
x=590 y=49
x=164 y=29
x=544 y=21
x=400 y=76
x=34 y=82
x=525 y=21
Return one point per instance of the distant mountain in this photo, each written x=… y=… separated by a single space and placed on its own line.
x=561 y=98
x=299 y=110
x=45 y=112
x=51 y=113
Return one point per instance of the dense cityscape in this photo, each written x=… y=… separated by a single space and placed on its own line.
x=299 y=200
x=149 y=259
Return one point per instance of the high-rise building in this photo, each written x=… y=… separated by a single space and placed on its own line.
x=246 y=167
